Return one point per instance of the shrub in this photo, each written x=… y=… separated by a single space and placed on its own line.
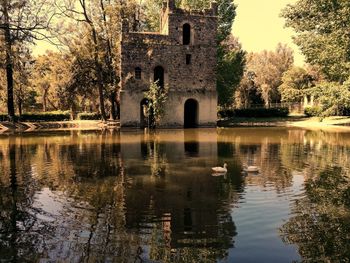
x=312 y=111
x=46 y=116
x=89 y=116
x=254 y=113
x=226 y=113
x=3 y=117
x=262 y=112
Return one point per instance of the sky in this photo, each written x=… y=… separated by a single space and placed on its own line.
x=259 y=26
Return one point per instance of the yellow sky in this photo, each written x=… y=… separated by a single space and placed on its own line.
x=258 y=26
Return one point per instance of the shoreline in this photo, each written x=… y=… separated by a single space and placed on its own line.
x=335 y=123
x=312 y=123
x=55 y=125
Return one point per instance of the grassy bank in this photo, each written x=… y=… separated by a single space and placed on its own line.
x=335 y=122
x=263 y=122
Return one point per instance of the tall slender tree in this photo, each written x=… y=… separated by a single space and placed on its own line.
x=21 y=21
x=101 y=20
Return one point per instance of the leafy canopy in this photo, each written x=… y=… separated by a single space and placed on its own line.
x=333 y=98
x=297 y=83
x=322 y=28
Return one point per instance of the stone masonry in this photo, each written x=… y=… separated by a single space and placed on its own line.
x=183 y=56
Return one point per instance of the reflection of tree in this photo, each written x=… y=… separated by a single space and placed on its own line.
x=89 y=214
x=267 y=157
x=20 y=227
x=154 y=152
x=321 y=224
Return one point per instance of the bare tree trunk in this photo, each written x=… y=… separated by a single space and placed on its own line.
x=73 y=111
x=98 y=70
x=110 y=59
x=44 y=100
x=20 y=102
x=9 y=63
x=98 y=67
x=112 y=99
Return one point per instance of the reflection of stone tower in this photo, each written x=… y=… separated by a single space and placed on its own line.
x=181 y=56
x=180 y=202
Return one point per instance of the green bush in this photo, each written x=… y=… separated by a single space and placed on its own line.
x=89 y=116
x=312 y=111
x=254 y=113
x=46 y=116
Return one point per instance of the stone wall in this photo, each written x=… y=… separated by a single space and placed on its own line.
x=174 y=111
x=195 y=80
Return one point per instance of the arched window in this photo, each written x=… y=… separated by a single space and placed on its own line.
x=138 y=73
x=186 y=34
x=159 y=76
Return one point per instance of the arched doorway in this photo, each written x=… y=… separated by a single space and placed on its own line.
x=146 y=117
x=159 y=76
x=191 y=114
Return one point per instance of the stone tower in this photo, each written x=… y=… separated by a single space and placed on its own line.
x=183 y=57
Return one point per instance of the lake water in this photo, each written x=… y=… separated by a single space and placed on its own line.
x=131 y=196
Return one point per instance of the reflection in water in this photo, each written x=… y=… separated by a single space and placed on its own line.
x=133 y=196
x=321 y=222
x=191 y=143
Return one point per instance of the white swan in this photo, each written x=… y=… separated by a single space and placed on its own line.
x=250 y=169
x=220 y=169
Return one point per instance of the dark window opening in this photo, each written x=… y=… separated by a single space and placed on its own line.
x=159 y=76
x=188 y=219
x=186 y=30
x=137 y=73
x=188 y=59
x=191 y=114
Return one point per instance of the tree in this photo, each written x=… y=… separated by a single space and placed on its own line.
x=268 y=68
x=51 y=72
x=22 y=73
x=230 y=71
x=333 y=98
x=2 y=75
x=157 y=98
x=42 y=77
x=87 y=13
x=21 y=21
x=150 y=15
x=97 y=39
x=322 y=29
x=247 y=92
x=296 y=84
